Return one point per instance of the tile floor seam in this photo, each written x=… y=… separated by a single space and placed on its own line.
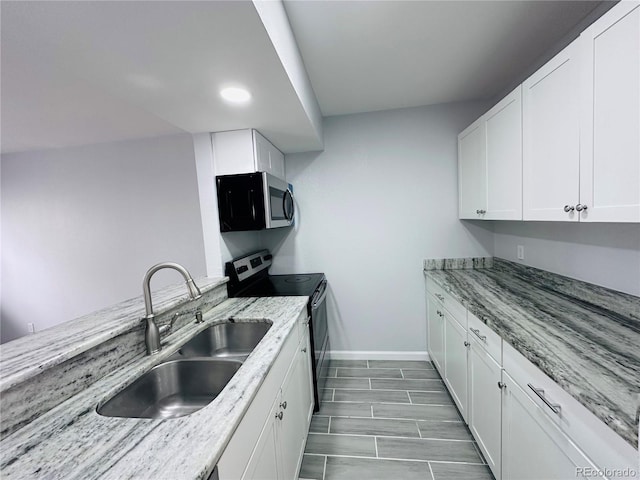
x=327 y=455
x=324 y=467
x=394 y=418
x=433 y=477
x=342 y=434
x=375 y=441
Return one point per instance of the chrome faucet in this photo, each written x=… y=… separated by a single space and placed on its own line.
x=152 y=333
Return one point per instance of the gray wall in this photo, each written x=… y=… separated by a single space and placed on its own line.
x=379 y=199
x=600 y=253
x=80 y=226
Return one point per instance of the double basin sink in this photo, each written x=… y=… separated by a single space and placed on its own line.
x=192 y=377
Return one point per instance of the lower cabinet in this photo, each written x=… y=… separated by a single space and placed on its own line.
x=525 y=424
x=485 y=404
x=435 y=333
x=455 y=362
x=272 y=448
x=533 y=447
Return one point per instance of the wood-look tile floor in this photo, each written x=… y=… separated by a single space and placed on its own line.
x=389 y=420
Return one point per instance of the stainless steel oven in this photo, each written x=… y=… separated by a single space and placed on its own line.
x=249 y=277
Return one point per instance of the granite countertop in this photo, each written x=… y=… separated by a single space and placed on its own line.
x=72 y=441
x=584 y=337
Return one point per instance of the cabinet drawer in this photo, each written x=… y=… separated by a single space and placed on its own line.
x=605 y=447
x=453 y=306
x=486 y=337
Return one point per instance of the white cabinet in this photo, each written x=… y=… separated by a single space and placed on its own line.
x=455 y=362
x=472 y=188
x=504 y=158
x=610 y=119
x=246 y=151
x=296 y=405
x=265 y=462
x=485 y=404
x=271 y=447
x=490 y=163
x=435 y=333
x=551 y=141
x=533 y=447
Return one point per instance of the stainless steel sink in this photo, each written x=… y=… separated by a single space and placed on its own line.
x=227 y=340
x=172 y=389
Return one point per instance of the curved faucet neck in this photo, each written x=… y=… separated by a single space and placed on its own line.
x=194 y=291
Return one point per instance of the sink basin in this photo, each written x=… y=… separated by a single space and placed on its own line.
x=226 y=340
x=172 y=389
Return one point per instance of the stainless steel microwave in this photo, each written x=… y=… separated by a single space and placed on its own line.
x=253 y=201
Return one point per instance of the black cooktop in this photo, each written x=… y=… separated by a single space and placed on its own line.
x=283 y=286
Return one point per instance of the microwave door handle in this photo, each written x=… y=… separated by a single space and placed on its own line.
x=284 y=205
x=252 y=203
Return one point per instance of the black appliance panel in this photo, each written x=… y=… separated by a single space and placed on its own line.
x=241 y=202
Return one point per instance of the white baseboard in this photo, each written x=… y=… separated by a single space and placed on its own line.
x=376 y=355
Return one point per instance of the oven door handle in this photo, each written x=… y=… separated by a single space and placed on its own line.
x=319 y=296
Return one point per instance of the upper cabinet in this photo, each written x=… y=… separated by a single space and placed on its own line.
x=246 y=151
x=551 y=155
x=565 y=146
x=490 y=163
x=472 y=188
x=610 y=120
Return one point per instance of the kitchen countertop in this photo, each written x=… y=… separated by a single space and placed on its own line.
x=584 y=337
x=72 y=441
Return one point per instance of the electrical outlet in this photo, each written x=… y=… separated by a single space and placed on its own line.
x=520 y=252
x=31 y=328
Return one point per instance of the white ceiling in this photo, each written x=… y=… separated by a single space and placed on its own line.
x=87 y=72
x=76 y=73
x=378 y=55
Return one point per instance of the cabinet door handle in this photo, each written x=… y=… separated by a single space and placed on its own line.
x=467 y=344
x=477 y=333
x=283 y=405
x=279 y=415
x=439 y=297
x=569 y=208
x=304 y=350
x=580 y=207
x=502 y=385
x=481 y=212
x=555 y=408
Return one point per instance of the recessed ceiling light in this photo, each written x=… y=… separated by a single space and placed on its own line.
x=235 y=95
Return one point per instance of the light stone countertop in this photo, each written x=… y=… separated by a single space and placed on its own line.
x=72 y=441
x=584 y=337
x=28 y=356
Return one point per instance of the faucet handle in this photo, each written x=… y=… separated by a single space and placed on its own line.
x=169 y=326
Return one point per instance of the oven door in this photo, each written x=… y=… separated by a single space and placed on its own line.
x=320 y=336
x=279 y=205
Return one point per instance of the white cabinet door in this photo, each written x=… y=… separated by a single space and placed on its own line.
x=533 y=447
x=455 y=362
x=610 y=134
x=262 y=153
x=551 y=143
x=472 y=194
x=295 y=405
x=265 y=461
x=503 y=124
x=276 y=159
x=435 y=333
x=485 y=404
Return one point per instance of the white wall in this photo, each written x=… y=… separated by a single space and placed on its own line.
x=379 y=199
x=80 y=226
x=600 y=253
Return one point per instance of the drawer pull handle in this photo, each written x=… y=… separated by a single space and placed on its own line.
x=440 y=314
x=304 y=350
x=467 y=344
x=555 y=408
x=502 y=385
x=283 y=405
x=279 y=415
x=477 y=332
x=439 y=297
